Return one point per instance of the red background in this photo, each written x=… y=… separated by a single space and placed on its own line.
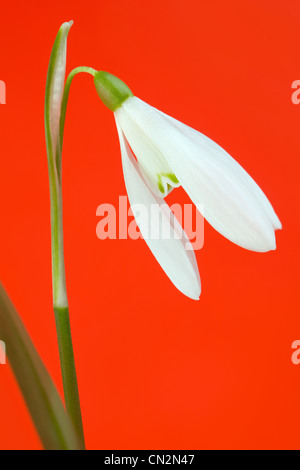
x=155 y=369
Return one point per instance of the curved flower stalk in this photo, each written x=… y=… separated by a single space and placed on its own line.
x=169 y=154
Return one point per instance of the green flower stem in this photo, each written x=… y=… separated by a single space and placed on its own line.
x=60 y=300
x=64 y=103
x=62 y=313
x=68 y=370
x=61 y=310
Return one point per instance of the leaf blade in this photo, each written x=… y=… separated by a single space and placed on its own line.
x=45 y=406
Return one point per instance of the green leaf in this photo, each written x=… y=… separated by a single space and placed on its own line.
x=53 y=101
x=45 y=406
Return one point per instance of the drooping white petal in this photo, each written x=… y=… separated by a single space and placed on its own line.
x=234 y=204
x=229 y=165
x=57 y=69
x=154 y=166
x=174 y=253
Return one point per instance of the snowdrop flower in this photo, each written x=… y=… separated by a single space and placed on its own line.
x=169 y=154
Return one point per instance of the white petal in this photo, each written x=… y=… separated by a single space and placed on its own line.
x=175 y=255
x=58 y=80
x=234 y=204
x=153 y=164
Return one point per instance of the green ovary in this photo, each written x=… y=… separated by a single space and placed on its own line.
x=169 y=176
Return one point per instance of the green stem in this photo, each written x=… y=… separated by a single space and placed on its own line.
x=64 y=102
x=60 y=300
x=68 y=368
x=61 y=311
x=61 y=308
